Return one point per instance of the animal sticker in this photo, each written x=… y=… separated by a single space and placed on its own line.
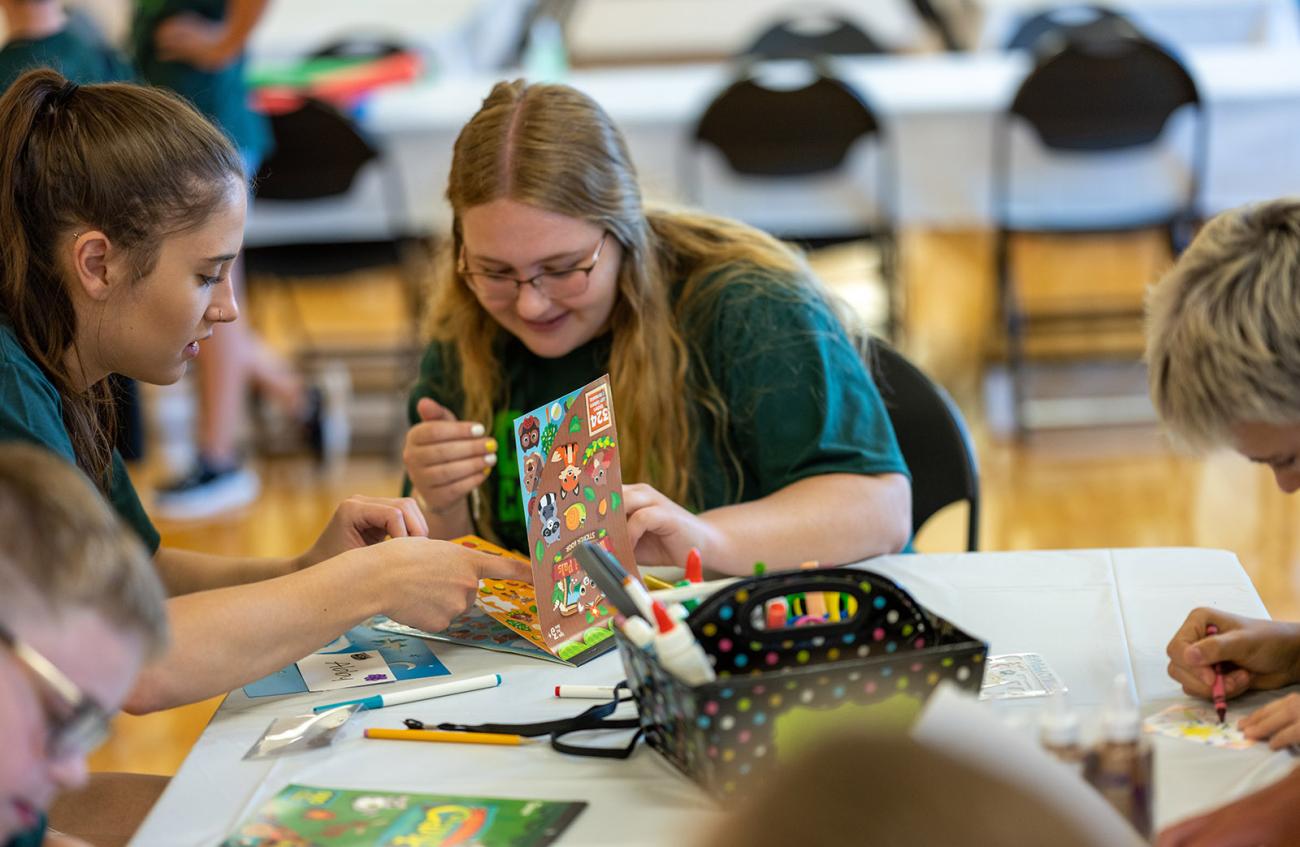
x=532 y=471
x=567 y=454
x=530 y=434
x=550 y=522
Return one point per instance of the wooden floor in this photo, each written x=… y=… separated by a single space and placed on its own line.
x=1080 y=488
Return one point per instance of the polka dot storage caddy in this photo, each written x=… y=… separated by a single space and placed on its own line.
x=859 y=651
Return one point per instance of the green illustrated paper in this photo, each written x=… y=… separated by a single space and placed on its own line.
x=310 y=816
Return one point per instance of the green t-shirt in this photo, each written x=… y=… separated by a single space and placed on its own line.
x=800 y=400
x=220 y=95
x=31 y=410
x=77 y=58
x=33 y=837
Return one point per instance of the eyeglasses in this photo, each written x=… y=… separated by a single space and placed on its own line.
x=555 y=285
x=77 y=723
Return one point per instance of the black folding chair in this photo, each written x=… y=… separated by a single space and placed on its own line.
x=813 y=35
x=1079 y=22
x=786 y=134
x=1091 y=95
x=933 y=437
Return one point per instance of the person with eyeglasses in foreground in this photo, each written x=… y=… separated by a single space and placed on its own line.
x=81 y=611
x=750 y=427
x=1223 y=352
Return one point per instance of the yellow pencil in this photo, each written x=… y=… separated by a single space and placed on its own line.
x=445 y=735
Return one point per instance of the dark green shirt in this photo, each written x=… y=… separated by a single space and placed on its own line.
x=76 y=57
x=220 y=95
x=31 y=410
x=800 y=400
x=31 y=838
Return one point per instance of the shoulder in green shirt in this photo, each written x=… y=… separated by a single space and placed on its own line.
x=31 y=410
x=76 y=57
x=800 y=400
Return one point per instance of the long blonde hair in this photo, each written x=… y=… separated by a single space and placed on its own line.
x=554 y=148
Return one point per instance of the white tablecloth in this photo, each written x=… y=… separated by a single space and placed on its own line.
x=1090 y=613
x=939 y=112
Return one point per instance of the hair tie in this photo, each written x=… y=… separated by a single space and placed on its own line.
x=64 y=94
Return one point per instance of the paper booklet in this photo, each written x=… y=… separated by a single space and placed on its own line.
x=363 y=655
x=572 y=489
x=330 y=817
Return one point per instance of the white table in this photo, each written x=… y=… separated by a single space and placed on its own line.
x=939 y=111
x=1090 y=613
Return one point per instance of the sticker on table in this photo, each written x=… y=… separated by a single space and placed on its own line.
x=1014 y=676
x=331 y=671
x=1198 y=724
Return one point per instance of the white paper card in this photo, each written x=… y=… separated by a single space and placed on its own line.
x=330 y=671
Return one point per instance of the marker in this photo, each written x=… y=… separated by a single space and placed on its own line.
x=654 y=583
x=850 y=606
x=759 y=568
x=445 y=735
x=425 y=692
x=815 y=603
x=832 y=606
x=678 y=651
x=624 y=590
x=776 y=612
x=694 y=566
x=639 y=631
x=585 y=692
x=1220 y=697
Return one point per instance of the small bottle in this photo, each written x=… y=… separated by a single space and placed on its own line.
x=1120 y=765
x=1058 y=732
x=678 y=651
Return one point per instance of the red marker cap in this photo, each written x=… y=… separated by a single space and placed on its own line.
x=694 y=566
x=662 y=619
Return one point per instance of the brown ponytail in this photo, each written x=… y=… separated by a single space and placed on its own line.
x=137 y=163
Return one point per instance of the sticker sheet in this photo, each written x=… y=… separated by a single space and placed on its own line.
x=364 y=655
x=572 y=488
x=312 y=816
x=1199 y=724
x=1013 y=676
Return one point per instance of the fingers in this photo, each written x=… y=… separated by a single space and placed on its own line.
x=404 y=508
x=1196 y=682
x=638 y=495
x=431 y=410
x=1185 y=834
x=441 y=432
x=1279 y=722
x=503 y=567
x=655 y=520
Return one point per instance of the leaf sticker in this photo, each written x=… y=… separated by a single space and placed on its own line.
x=541 y=551
x=575 y=424
x=589 y=493
x=615 y=500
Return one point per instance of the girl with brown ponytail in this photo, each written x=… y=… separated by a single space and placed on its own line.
x=749 y=423
x=121 y=211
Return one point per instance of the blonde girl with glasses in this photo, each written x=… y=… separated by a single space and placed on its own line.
x=749 y=425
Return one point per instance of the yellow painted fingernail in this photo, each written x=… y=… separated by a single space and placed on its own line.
x=490 y=445
x=487 y=470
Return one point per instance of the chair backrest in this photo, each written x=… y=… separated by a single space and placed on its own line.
x=765 y=131
x=318 y=153
x=1103 y=94
x=813 y=35
x=933 y=437
x=1083 y=21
